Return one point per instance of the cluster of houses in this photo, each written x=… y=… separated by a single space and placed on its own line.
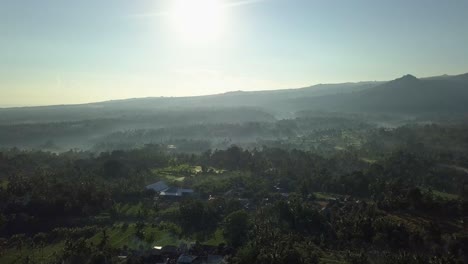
x=164 y=190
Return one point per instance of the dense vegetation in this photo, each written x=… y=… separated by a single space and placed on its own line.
x=341 y=194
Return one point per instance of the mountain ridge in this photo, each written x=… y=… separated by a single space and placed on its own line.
x=313 y=88
x=407 y=94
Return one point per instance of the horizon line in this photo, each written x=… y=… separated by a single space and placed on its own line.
x=4 y=107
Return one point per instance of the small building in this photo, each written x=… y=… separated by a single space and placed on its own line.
x=158 y=186
x=175 y=192
x=165 y=191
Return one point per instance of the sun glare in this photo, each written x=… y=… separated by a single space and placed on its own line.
x=198 y=20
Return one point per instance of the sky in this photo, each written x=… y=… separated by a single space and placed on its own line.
x=64 y=52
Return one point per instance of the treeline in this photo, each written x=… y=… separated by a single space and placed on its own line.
x=222 y=135
x=344 y=172
x=29 y=129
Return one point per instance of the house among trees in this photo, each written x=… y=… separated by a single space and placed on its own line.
x=164 y=190
x=158 y=186
x=176 y=192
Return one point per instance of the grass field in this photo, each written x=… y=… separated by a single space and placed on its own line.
x=216 y=239
x=119 y=237
x=323 y=196
x=447 y=196
x=4 y=184
x=443 y=195
x=175 y=173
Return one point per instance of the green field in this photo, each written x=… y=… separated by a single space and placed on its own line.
x=323 y=196
x=120 y=236
x=174 y=173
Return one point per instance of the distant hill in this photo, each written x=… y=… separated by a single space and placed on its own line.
x=408 y=94
x=274 y=102
x=405 y=95
x=271 y=100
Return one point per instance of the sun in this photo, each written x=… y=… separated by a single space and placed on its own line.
x=198 y=20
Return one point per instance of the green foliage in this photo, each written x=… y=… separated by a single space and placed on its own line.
x=271 y=205
x=236 y=227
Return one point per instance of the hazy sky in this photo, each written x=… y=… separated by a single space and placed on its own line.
x=56 y=51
